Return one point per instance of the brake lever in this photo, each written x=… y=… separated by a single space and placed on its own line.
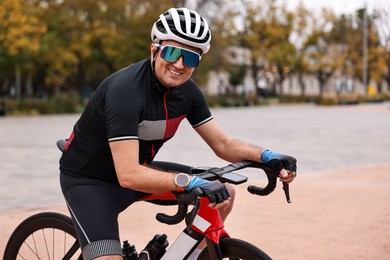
x=286 y=192
x=192 y=215
x=272 y=177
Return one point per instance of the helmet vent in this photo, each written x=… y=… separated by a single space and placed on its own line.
x=183 y=25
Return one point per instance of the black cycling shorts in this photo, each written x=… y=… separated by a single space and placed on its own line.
x=94 y=206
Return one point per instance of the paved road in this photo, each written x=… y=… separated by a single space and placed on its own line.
x=322 y=138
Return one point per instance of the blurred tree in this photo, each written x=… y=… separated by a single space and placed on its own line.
x=216 y=58
x=221 y=36
x=322 y=52
x=378 y=54
x=267 y=35
x=58 y=45
x=381 y=18
x=282 y=53
x=236 y=76
x=255 y=37
x=21 y=31
x=302 y=23
x=349 y=32
x=88 y=40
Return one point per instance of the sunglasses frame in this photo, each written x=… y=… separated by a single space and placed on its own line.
x=161 y=47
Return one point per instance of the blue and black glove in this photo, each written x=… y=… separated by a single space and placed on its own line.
x=278 y=161
x=215 y=191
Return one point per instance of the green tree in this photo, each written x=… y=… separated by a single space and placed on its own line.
x=87 y=40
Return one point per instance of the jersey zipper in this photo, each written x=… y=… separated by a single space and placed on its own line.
x=153 y=152
x=166 y=112
x=166 y=122
x=152 y=155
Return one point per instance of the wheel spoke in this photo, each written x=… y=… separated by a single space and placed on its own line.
x=46 y=246
x=34 y=251
x=65 y=242
x=54 y=239
x=47 y=235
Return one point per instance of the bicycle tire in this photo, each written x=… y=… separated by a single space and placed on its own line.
x=234 y=249
x=45 y=235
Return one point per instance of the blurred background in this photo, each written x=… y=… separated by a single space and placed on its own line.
x=322 y=56
x=54 y=53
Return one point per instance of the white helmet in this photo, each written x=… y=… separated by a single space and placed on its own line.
x=184 y=26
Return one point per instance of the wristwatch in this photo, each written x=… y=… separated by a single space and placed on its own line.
x=182 y=181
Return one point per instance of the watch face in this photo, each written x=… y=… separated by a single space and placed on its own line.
x=182 y=180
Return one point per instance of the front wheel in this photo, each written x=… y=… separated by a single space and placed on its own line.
x=43 y=236
x=235 y=249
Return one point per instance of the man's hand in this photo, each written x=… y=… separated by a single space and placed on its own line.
x=284 y=164
x=217 y=193
x=287 y=176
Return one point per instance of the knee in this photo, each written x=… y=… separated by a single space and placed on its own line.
x=232 y=191
x=224 y=212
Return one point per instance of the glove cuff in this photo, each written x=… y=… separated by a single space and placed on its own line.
x=265 y=156
x=197 y=182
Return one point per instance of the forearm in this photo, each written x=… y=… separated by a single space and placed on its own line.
x=234 y=150
x=225 y=147
x=138 y=177
x=145 y=179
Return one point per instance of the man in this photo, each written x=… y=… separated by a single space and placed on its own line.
x=107 y=164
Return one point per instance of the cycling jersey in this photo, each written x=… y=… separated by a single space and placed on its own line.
x=130 y=105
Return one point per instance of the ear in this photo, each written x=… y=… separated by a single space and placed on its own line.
x=153 y=50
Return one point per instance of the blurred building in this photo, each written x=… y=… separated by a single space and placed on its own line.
x=267 y=80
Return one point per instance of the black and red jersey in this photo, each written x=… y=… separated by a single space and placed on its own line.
x=130 y=104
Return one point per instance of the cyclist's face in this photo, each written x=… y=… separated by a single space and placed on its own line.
x=171 y=74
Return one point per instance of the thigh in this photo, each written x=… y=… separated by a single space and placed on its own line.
x=94 y=206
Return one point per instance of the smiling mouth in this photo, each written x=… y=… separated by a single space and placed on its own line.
x=175 y=72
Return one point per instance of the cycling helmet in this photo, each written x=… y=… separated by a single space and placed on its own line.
x=184 y=26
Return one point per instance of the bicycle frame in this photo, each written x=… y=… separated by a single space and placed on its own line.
x=205 y=223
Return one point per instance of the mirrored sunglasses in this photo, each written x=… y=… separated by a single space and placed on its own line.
x=173 y=53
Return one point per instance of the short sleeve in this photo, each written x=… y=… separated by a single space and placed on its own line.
x=122 y=111
x=200 y=112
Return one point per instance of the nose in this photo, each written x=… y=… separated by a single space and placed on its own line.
x=179 y=63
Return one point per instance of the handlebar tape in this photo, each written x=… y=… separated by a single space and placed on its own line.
x=175 y=219
x=266 y=190
x=183 y=199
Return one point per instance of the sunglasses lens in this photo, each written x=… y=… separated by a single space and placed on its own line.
x=172 y=54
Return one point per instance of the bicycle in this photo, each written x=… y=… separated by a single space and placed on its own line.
x=50 y=235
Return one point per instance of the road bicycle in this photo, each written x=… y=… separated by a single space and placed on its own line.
x=50 y=235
